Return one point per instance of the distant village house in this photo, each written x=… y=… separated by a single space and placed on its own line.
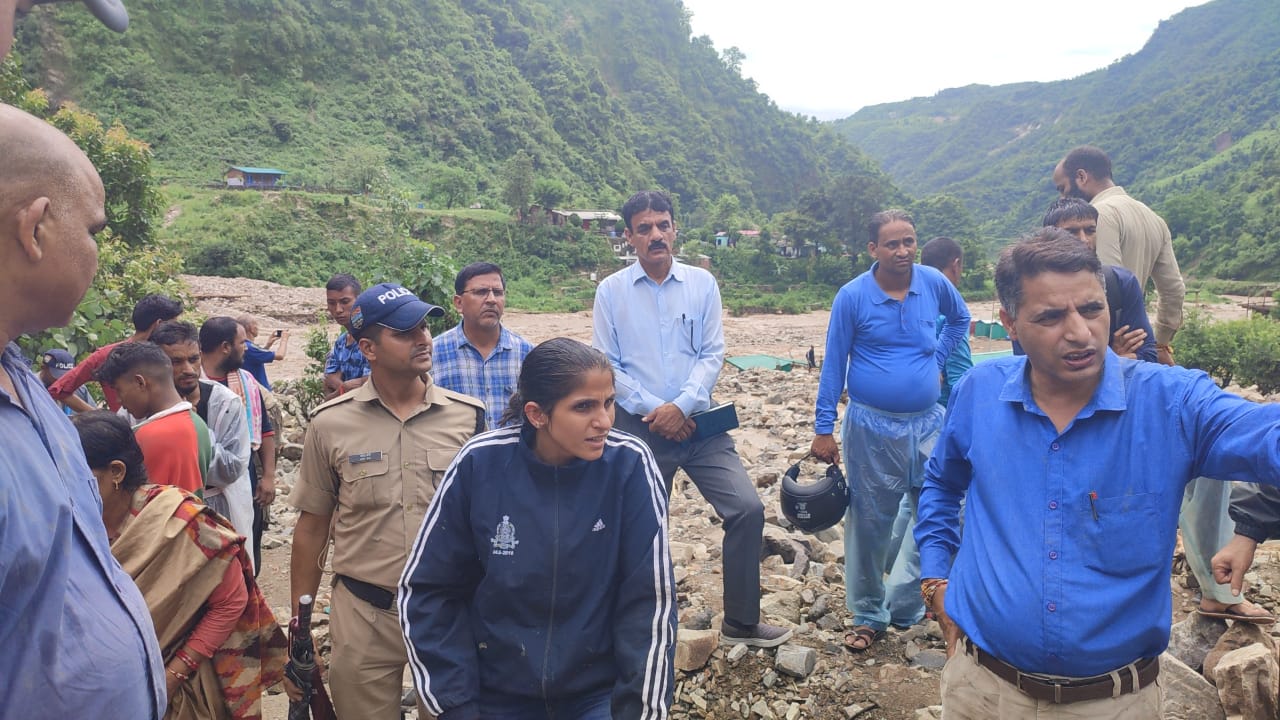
x=253 y=177
x=725 y=239
x=606 y=222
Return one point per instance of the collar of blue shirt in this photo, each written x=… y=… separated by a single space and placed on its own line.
x=505 y=341
x=1109 y=395
x=676 y=273
x=879 y=296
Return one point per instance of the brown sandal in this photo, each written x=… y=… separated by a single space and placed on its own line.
x=862 y=638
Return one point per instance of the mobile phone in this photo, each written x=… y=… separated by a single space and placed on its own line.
x=279 y=333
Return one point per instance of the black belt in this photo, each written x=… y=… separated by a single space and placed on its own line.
x=372 y=594
x=1132 y=677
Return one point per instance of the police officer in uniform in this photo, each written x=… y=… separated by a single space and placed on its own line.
x=371 y=462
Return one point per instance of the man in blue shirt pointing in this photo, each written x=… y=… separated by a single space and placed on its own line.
x=882 y=346
x=1072 y=462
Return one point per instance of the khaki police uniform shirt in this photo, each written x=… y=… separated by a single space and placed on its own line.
x=1133 y=236
x=376 y=475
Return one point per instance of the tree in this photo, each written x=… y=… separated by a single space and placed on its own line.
x=454 y=185
x=517 y=183
x=946 y=215
x=550 y=192
x=366 y=168
x=733 y=57
x=130 y=263
x=726 y=214
x=802 y=231
x=841 y=209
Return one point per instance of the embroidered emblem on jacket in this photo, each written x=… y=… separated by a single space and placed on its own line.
x=598 y=526
x=504 y=539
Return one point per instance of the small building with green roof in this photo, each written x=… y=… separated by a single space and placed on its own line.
x=253 y=177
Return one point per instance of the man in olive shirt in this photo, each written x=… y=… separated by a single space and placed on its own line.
x=1130 y=235
x=370 y=465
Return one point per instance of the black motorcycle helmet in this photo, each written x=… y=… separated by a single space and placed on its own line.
x=816 y=506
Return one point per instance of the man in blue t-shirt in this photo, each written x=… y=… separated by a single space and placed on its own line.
x=883 y=347
x=256 y=358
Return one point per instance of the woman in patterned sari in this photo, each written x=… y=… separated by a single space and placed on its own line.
x=221 y=644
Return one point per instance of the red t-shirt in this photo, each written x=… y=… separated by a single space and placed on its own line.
x=171 y=451
x=66 y=385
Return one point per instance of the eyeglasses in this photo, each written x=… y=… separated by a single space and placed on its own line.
x=482 y=293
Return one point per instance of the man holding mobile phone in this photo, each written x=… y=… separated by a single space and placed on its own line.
x=256 y=358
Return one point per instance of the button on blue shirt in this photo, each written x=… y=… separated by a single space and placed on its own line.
x=457 y=365
x=1068 y=537
x=77 y=638
x=887 y=352
x=665 y=341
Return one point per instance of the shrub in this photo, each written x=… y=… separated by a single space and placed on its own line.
x=1243 y=351
x=309 y=389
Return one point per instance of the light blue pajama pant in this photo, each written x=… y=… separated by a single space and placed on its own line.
x=884 y=455
x=1205 y=529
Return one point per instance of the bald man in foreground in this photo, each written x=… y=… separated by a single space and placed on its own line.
x=77 y=637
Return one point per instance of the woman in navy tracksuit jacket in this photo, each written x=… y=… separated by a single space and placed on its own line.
x=540 y=584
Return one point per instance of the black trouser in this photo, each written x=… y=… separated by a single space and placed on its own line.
x=716 y=470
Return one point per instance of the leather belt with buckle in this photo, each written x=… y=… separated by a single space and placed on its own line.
x=1130 y=678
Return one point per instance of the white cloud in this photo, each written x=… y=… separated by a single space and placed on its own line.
x=830 y=57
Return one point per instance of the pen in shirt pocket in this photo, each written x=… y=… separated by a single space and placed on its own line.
x=1093 y=505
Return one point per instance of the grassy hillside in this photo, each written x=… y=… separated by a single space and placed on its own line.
x=605 y=97
x=1195 y=110
x=296 y=238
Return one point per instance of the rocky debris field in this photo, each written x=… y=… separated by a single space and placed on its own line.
x=1221 y=671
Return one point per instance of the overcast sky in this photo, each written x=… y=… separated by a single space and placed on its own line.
x=831 y=57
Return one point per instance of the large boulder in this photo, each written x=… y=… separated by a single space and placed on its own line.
x=1239 y=636
x=1187 y=695
x=1247 y=680
x=1192 y=639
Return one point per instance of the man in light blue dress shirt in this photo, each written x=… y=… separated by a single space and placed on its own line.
x=78 y=639
x=659 y=323
x=1072 y=463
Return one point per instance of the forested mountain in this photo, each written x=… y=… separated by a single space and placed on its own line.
x=606 y=96
x=1192 y=124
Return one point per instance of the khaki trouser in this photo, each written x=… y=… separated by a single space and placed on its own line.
x=972 y=692
x=366 y=666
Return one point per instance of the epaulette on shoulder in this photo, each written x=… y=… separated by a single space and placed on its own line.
x=344 y=397
x=473 y=402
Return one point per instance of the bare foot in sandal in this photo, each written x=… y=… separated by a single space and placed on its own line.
x=1246 y=612
x=861 y=638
